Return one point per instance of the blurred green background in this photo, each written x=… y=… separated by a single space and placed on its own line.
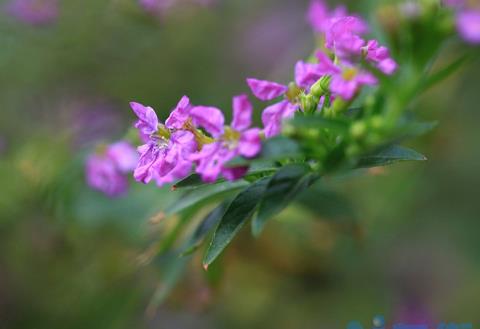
x=70 y=257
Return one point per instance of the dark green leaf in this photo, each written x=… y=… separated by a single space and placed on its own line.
x=208 y=223
x=192 y=181
x=389 y=156
x=204 y=194
x=283 y=187
x=239 y=211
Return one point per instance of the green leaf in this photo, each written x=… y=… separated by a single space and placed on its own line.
x=239 y=211
x=282 y=189
x=420 y=128
x=328 y=205
x=173 y=273
x=191 y=181
x=389 y=156
x=444 y=73
x=208 y=223
x=204 y=194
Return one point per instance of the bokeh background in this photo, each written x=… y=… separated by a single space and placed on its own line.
x=72 y=258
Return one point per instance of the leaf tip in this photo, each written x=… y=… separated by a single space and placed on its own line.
x=205 y=266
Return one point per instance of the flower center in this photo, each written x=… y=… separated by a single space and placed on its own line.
x=349 y=74
x=230 y=137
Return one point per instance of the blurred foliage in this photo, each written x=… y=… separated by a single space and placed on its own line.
x=72 y=258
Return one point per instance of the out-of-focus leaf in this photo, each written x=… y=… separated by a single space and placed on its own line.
x=389 y=156
x=305 y=122
x=172 y=275
x=239 y=211
x=208 y=223
x=420 y=128
x=327 y=204
x=444 y=73
x=283 y=187
x=204 y=194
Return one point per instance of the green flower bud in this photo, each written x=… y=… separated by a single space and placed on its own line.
x=358 y=129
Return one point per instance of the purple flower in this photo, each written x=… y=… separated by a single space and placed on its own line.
x=34 y=12
x=320 y=18
x=346 y=79
x=380 y=56
x=164 y=156
x=273 y=115
x=107 y=171
x=468 y=25
x=349 y=80
x=234 y=140
x=343 y=36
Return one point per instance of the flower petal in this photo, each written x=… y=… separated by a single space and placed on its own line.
x=266 y=90
x=250 y=143
x=209 y=118
x=123 y=155
x=147 y=118
x=242 y=113
x=273 y=116
x=179 y=115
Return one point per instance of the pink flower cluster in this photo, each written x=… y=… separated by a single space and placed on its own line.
x=344 y=52
x=468 y=19
x=194 y=135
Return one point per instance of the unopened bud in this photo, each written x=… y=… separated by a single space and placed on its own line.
x=358 y=129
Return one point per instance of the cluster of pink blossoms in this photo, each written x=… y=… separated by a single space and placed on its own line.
x=194 y=135
x=344 y=49
x=468 y=19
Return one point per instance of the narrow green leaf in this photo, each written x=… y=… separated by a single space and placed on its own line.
x=204 y=194
x=282 y=189
x=239 y=211
x=173 y=273
x=444 y=73
x=191 y=181
x=420 y=128
x=208 y=223
x=389 y=156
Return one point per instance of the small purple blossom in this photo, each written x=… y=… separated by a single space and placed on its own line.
x=34 y=12
x=273 y=115
x=321 y=18
x=106 y=171
x=164 y=156
x=468 y=25
x=346 y=79
x=232 y=141
x=343 y=36
x=380 y=55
